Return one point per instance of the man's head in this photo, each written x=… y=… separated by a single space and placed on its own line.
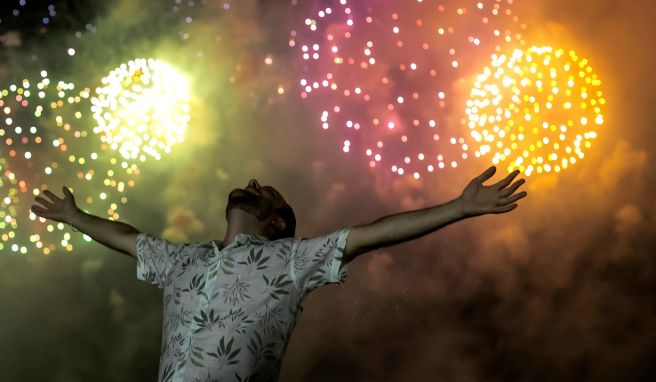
x=267 y=205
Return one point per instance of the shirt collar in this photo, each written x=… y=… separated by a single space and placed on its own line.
x=241 y=239
x=245 y=237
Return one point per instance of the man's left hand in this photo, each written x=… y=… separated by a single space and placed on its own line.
x=498 y=198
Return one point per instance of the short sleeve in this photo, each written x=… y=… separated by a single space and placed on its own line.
x=156 y=258
x=318 y=261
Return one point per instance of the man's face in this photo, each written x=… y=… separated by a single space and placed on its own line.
x=260 y=201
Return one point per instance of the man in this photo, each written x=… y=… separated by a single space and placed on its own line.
x=230 y=306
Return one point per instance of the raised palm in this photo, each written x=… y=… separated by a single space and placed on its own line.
x=478 y=199
x=57 y=209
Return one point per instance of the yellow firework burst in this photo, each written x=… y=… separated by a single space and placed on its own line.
x=536 y=110
x=142 y=109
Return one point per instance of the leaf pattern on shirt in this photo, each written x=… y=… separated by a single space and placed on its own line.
x=224 y=353
x=187 y=262
x=277 y=285
x=196 y=285
x=260 y=350
x=284 y=253
x=168 y=297
x=196 y=356
x=229 y=312
x=243 y=379
x=270 y=320
x=209 y=378
x=300 y=264
x=227 y=265
x=320 y=258
x=235 y=293
x=182 y=354
x=178 y=295
x=206 y=320
x=255 y=261
x=236 y=321
x=167 y=373
x=151 y=277
x=178 y=318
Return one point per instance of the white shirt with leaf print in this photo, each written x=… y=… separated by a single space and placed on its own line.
x=229 y=313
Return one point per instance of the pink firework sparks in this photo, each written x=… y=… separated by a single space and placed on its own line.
x=388 y=79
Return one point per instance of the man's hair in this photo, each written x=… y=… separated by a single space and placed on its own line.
x=286 y=213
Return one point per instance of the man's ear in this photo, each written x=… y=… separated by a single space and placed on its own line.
x=277 y=223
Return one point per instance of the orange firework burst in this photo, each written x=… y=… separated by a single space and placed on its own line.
x=536 y=110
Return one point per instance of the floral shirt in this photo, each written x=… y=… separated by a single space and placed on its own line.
x=229 y=312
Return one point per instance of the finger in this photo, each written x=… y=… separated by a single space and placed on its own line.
x=67 y=192
x=46 y=203
x=510 y=190
x=506 y=181
x=500 y=210
x=52 y=196
x=39 y=211
x=487 y=174
x=512 y=198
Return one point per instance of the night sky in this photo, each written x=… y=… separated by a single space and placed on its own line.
x=560 y=289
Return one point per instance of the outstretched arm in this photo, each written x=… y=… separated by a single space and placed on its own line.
x=475 y=200
x=116 y=235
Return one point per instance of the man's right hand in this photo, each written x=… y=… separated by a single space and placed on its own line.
x=61 y=210
x=116 y=235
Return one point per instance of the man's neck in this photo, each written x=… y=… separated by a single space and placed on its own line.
x=242 y=222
